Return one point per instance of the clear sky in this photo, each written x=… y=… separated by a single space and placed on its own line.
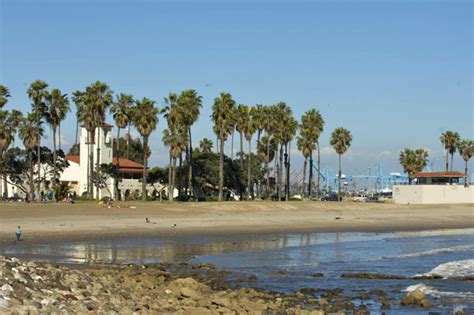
x=395 y=73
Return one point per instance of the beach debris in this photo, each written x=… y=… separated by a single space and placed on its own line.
x=133 y=207
x=173 y=225
x=147 y=220
x=337 y=218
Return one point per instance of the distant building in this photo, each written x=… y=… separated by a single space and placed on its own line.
x=434 y=188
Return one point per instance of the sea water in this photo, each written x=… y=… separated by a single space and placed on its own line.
x=287 y=262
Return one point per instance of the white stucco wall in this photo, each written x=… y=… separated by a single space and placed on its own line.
x=432 y=194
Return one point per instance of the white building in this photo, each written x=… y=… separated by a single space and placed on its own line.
x=434 y=188
x=76 y=174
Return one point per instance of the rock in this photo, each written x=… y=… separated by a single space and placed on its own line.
x=197 y=311
x=189 y=293
x=426 y=303
x=222 y=301
x=317 y=275
x=413 y=298
x=168 y=291
x=7 y=289
x=371 y=276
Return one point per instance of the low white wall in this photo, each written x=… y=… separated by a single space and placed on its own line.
x=432 y=194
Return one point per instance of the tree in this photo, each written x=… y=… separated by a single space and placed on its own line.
x=222 y=117
x=37 y=93
x=206 y=145
x=145 y=120
x=175 y=138
x=312 y=123
x=413 y=161
x=306 y=146
x=120 y=110
x=246 y=126
x=4 y=95
x=30 y=133
x=466 y=150
x=341 y=141
x=189 y=103
x=57 y=105
x=450 y=140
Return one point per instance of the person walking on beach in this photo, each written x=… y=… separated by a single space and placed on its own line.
x=18 y=233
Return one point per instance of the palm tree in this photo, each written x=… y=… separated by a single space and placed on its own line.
x=190 y=104
x=466 y=150
x=306 y=146
x=241 y=119
x=450 y=140
x=120 y=110
x=37 y=93
x=270 y=125
x=30 y=133
x=222 y=111
x=341 y=141
x=4 y=95
x=312 y=123
x=57 y=104
x=9 y=123
x=413 y=161
x=176 y=138
x=206 y=145
x=247 y=127
x=145 y=120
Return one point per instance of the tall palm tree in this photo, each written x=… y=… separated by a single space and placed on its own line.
x=206 y=145
x=247 y=127
x=450 y=140
x=85 y=115
x=289 y=132
x=9 y=123
x=120 y=110
x=222 y=112
x=270 y=125
x=306 y=146
x=145 y=120
x=413 y=161
x=30 y=133
x=99 y=98
x=241 y=119
x=190 y=104
x=37 y=93
x=466 y=150
x=312 y=123
x=341 y=141
x=57 y=104
x=175 y=137
x=4 y=95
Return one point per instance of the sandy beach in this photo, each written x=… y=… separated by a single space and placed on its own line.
x=57 y=222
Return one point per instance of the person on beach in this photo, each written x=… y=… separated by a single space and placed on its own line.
x=18 y=233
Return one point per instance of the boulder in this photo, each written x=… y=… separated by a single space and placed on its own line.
x=413 y=298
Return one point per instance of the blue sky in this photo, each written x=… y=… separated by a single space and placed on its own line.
x=395 y=73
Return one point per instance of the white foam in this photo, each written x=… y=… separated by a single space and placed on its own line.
x=433 y=252
x=429 y=290
x=459 y=268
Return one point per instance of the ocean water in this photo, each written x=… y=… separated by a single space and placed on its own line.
x=286 y=262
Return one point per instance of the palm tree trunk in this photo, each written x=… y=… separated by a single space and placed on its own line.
x=180 y=174
x=452 y=158
x=267 y=167
x=91 y=165
x=280 y=173
x=128 y=141
x=248 y=169
x=173 y=179
x=217 y=143
x=170 y=176
x=275 y=171
x=97 y=166
x=241 y=151
x=221 y=169
x=288 y=164
x=190 y=165
x=32 y=186
x=59 y=135
x=465 y=175
x=310 y=181
x=340 y=177
x=304 y=177
x=232 y=146
x=77 y=130
x=88 y=161
x=117 y=194
x=145 y=165
x=54 y=163
x=318 y=183
x=447 y=159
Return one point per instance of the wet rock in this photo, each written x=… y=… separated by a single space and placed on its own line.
x=371 y=276
x=317 y=275
x=414 y=298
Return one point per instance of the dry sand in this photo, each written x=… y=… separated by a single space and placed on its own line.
x=58 y=222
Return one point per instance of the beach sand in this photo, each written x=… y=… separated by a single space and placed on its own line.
x=49 y=222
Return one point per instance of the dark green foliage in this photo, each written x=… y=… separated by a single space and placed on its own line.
x=136 y=149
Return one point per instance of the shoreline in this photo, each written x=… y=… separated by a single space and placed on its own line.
x=55 y=223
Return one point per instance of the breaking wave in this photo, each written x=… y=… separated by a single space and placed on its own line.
x=429 y=290
x=433 y=252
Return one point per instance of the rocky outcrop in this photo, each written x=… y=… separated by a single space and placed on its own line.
x=416 y=298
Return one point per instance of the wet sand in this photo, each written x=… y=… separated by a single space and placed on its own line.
x=61 y=222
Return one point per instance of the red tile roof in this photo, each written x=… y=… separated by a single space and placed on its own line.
x=126 y=166
x=438 y=174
